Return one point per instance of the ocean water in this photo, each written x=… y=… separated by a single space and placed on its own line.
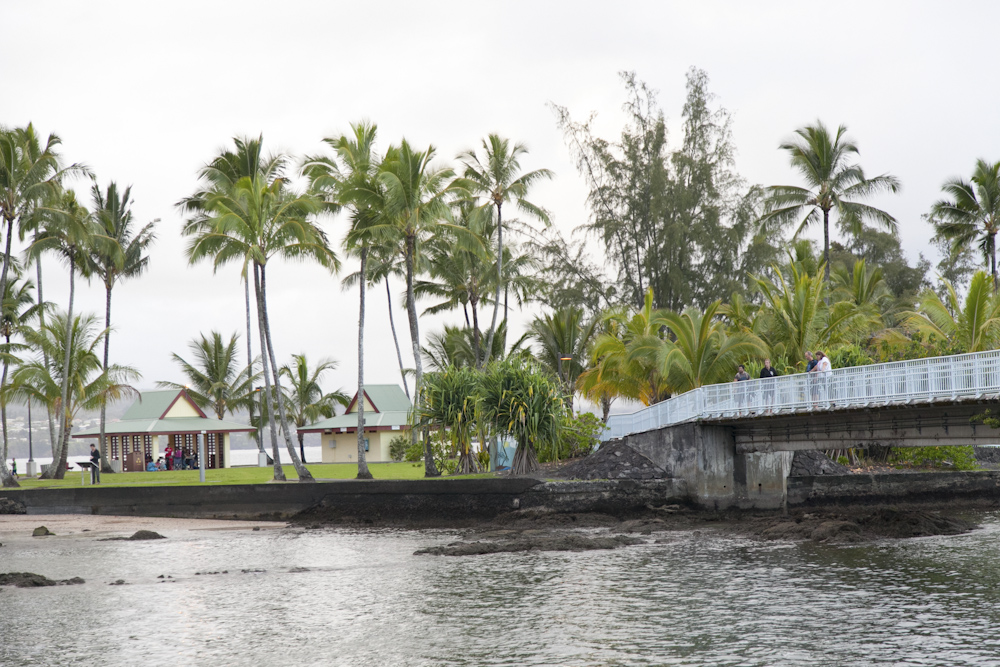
x=361 y=597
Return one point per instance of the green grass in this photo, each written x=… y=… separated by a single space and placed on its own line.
x=320 y=471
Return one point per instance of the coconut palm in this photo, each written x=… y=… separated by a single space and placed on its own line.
x=969 y=326
x=350 y=179
x=19 y=308
x=972 y=214
x=214 y=378
x=833 y=183
x=118 y=254
x=863 y=302
x=89 y=384
x=564 y=339
x=697 y=350
x=793 y=312
x=455 y=346
x=413 y=206
x=68 y=231
x=305 y=396
x=496 y=176
x=30 y=173
x=252 y=221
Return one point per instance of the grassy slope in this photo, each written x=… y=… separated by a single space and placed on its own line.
x=237 y=475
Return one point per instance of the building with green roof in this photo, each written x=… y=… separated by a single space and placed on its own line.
x=387 y=414
x=171 y=414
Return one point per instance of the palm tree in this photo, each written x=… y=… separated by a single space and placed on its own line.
x=564 y=339
x=832 y=183
x=414 y=205
x=215 y=379
x=89 y=384
x=793 y=312
x=972 y=326
x=30 y=173
x=252 y=221
x=350 y=180
x=67 y=231
x=455 y=346
x=697 y=350
x=19 y=308
x=118 y=255
x=497 y=177
x=863 y=302
x=972 y=214
x=305 y=396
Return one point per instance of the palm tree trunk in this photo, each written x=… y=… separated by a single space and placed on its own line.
x=279 y=474
x=246 y=284
x=302 y=443
x=395 y=338
x=430 y=469
x=993 y=260
x=6 y=478
x=303 y=472
x=496 y=301
x=826 y=249
x=58 y=468
x=103 y=446
x=363 y=472
x=476 y=336
x=45 y=355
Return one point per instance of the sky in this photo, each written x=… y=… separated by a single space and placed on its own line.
x=147 y=93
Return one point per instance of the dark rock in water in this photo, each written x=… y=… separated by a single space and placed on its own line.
x=41 y=531
x=146 y=535
x=808 y=463
x=8 y=506
x=612 y=461
x=531 y=543
x=119 y=582
x=137 y=535
x=32 y=580
x=892 y=522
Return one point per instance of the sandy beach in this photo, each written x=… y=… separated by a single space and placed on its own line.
x=14 y=526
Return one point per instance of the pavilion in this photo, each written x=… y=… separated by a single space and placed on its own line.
x=387 y=414
x=171 y=413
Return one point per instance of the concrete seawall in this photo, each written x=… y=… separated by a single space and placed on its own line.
x=370 y=501
x=442 y=501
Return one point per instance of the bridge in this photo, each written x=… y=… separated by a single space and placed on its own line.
x=733 y=442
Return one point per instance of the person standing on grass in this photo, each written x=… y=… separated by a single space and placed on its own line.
x=13 y=468
x=169 y=454
x=179 y=457
x=95 y=465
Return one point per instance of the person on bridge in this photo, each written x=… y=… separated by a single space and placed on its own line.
x=741 y=392
x=811 y=376
x=766 y=374
x=825 y=369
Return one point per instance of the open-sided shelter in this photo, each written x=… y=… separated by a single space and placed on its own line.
x=172 y=414
x=387 y=414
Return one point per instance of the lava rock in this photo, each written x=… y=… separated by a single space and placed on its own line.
x=8 y=506
x=809 y=463
x=612 y=461
x=32 y=580
x=530 y=543
x=41 y=531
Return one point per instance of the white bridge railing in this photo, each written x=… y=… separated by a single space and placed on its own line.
x=962 y=376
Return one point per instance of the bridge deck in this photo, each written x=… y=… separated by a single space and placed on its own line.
x=936 y=380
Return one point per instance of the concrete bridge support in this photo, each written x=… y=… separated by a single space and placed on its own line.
x=715 y=474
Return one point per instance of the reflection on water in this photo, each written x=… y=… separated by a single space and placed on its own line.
x=695 y=599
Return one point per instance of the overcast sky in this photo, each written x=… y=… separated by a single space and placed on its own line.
x=146 y=93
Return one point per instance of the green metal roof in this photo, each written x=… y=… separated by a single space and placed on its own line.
x=387 y=397
x=151 y=404
x=164 y=426
x=399 y=420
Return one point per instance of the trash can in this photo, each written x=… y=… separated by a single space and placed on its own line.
x=261 y=460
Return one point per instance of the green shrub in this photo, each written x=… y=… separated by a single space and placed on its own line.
x=414 y=452
x=954 y=458
x=579 y=436
x=398 y=447
x=848 y=356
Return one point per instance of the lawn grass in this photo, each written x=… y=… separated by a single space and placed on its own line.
x=248 y=475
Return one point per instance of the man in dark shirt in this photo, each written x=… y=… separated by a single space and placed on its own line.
x=767 y=390
x=95 y=465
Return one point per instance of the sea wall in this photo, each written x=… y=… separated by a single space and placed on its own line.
x=893 y=487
